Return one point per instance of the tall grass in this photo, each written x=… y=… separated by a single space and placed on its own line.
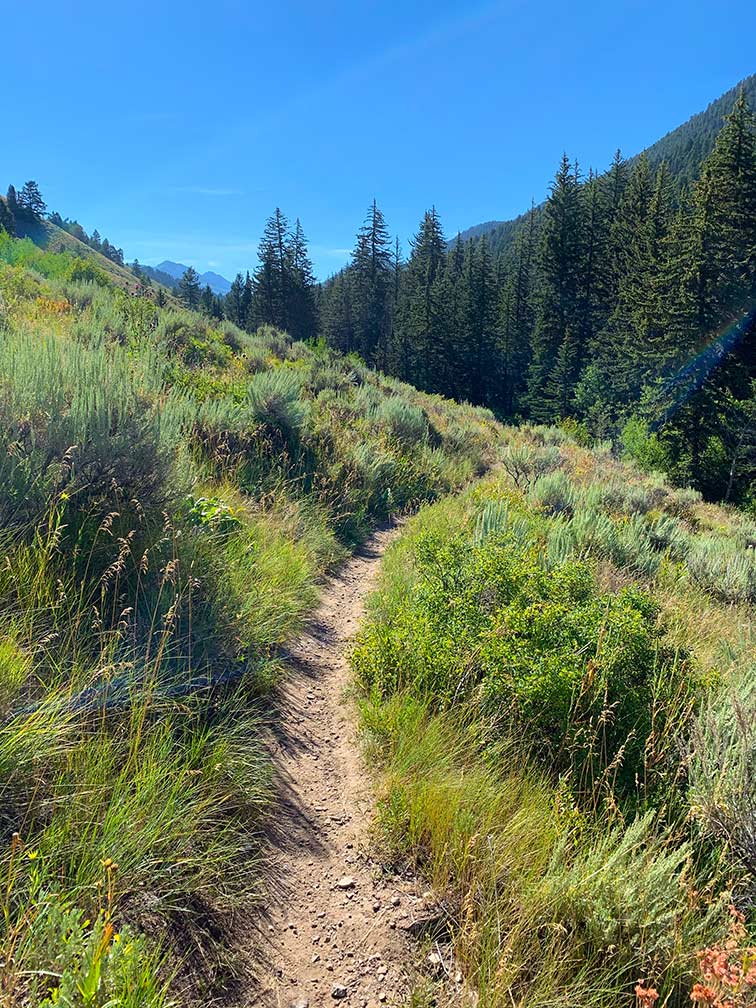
x=542 y=780
x=171 y=492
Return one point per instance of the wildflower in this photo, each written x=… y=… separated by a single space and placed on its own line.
x=646 y=996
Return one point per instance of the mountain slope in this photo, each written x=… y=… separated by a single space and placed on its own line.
x=683 y=148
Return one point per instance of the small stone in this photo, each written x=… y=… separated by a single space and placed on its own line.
x=347 y=882
x=339 y=991
x=383 y=996
x=376 y=906
x=395 y=901
x=302 y=1002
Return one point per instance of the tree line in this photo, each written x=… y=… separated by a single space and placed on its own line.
x=625 y=306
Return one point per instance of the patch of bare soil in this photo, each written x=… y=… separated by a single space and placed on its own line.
x=336 y=929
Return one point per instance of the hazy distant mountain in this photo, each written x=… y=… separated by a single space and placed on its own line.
x=683 y=149
x=217 y=283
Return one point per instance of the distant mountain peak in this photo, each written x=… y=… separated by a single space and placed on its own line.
x=217 y=283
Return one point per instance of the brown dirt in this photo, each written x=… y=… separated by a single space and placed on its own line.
x=333 y=916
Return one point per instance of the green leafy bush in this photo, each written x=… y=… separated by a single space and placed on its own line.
x=576 y=669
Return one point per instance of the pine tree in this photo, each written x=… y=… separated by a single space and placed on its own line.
x=233 y=305
x=371 y=276
x=558 y=334
x=302 y=310
x=207 y=300
x=516 y=319
x=422 y=318
x=711 y=339
x=188 y=289
x=271 y=282
x=30 y=202
x=12 y=200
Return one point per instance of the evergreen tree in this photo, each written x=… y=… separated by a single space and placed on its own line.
x=12 y=201
x=234 y=302
x=188 y=289
x=302 y=312
x=272 y=281
x=559 y=329
x=30 y=202
x=516 y=319
x=336 y=314
x=422 y=316
x=371 y=280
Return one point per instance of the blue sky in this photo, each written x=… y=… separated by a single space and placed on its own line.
x=175 y=129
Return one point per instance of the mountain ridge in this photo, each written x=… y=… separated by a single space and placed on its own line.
x=683 y=148
x=217 y=283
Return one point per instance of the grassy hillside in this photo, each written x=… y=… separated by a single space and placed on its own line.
x=559 y=688
x=48 y=237
x=171 y=492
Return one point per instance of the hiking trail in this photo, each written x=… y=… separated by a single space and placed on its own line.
x=334 y=928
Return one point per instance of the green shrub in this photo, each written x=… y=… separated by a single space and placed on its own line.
x=76 y=963
x=544 y=646
x=404 y=422
x=555 y=493
x=86 y=422
x=273 y=400
x=723 y=568
x=644 y=446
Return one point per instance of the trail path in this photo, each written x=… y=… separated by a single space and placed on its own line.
x=335 y=929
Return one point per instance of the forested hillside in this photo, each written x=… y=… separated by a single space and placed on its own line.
x=172 y=491
x=625 y=306
x=683 y=149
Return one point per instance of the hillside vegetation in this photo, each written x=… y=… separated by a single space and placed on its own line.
x=559 y=686
x=171 y=492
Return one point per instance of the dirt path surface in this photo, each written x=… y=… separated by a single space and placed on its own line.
x=336 y=930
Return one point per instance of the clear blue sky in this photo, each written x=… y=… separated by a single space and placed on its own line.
x=175 y=129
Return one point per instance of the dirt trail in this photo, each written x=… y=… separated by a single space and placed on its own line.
x=335 y=929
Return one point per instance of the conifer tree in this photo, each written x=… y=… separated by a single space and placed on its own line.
x=12 y=200
x=303 y=317
x=558 y=334
x=30 y=202
x=422 y=317
x=233 y=303
x=371 y=276
x=271 y=295
x=516 y=319
x=337 y=316
x=188 y=289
